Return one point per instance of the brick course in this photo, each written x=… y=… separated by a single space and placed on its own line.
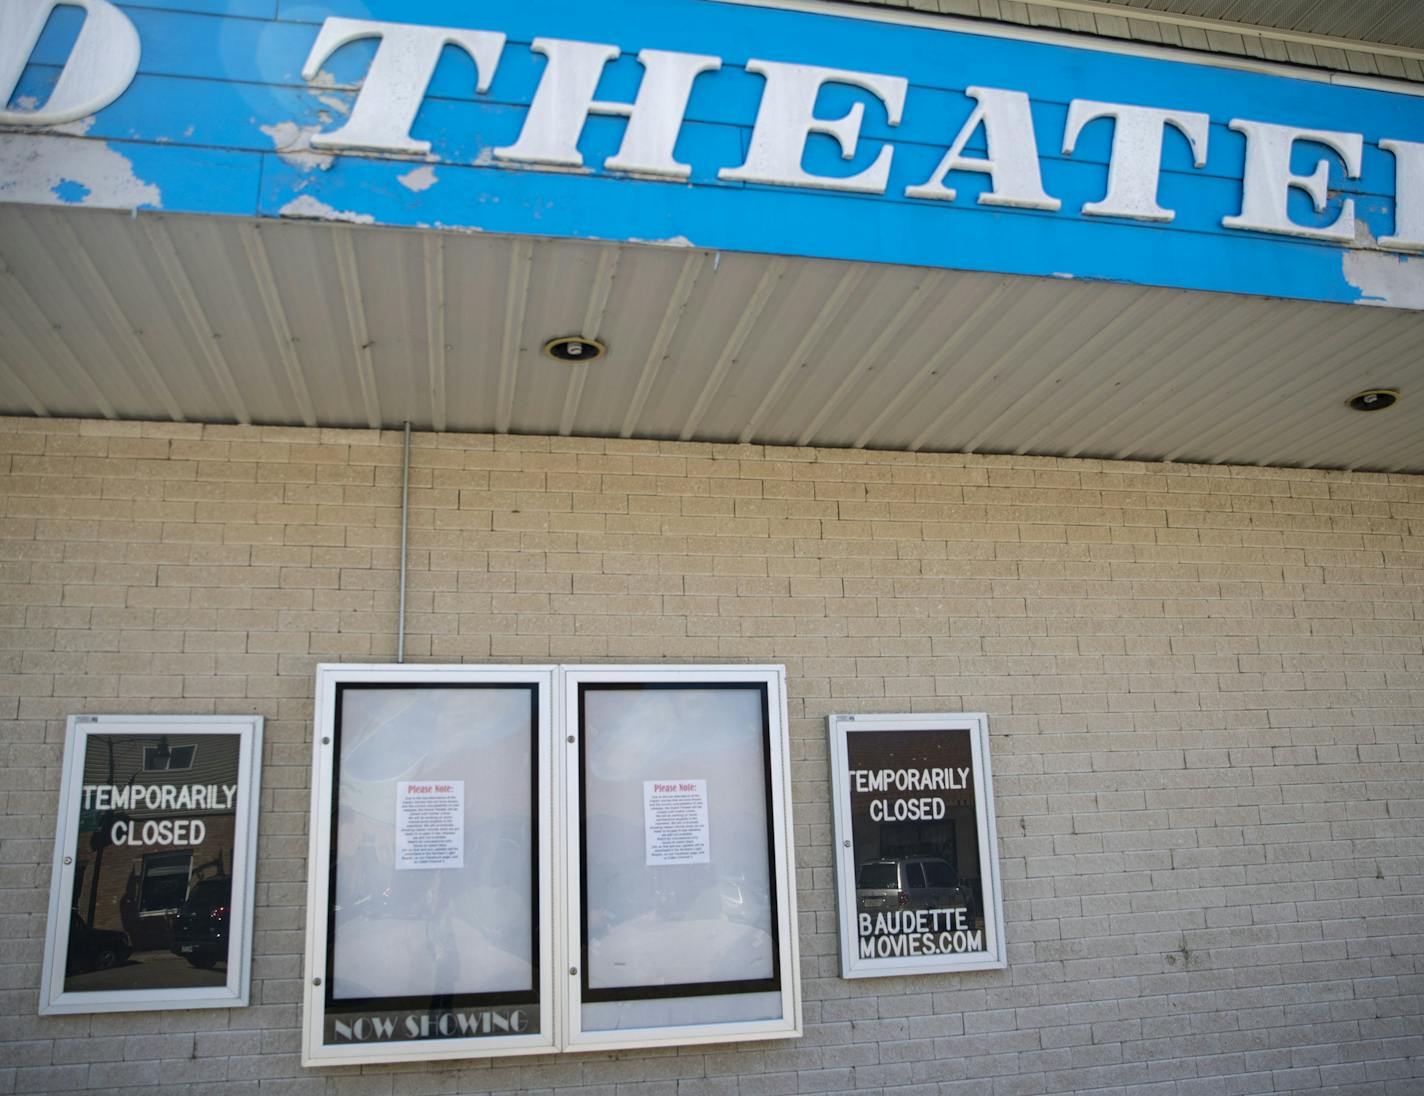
x=1205 y=688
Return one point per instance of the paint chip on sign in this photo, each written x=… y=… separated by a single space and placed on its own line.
x=310 y=208
x=42 y=170
x=418 y=179
x=293 y=145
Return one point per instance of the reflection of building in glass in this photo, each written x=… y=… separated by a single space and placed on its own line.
x=164 y=883
x=132 y=872
x=913 y=846
x=163 y=758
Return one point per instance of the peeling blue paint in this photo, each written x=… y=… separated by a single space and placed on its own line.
x=70 y=191
x=211 y=119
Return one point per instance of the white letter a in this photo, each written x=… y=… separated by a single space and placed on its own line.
x=1012 y=160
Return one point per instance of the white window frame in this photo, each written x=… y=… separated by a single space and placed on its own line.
x=788 y=1024
x=994 y=956
x=314 y=1051
x=170 y=767
x=234 y=992
x=559 y=907
x=163 y=911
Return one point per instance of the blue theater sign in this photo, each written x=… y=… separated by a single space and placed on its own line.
x=727 y=126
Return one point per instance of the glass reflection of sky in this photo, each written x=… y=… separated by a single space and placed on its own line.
x=447 y=930
x=399 y=734
x=630 y=732
x=417 y=721
x=671 y=924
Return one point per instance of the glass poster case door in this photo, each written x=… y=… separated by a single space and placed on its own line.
x=917 y=862
x=152 y=891
x=681 y=926
x=429 y=934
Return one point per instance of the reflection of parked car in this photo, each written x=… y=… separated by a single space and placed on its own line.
x=94 y=949
x=200 y=927
x=916 y=883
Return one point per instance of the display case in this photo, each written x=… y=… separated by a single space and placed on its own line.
x=678 y=836
x=917 y=863
x=152 y=889
x=520 y=859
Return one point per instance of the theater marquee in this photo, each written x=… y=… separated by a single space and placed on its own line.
x=917 y=863
x=788 y=129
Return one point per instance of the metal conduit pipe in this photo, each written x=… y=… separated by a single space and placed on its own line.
x=405 y=542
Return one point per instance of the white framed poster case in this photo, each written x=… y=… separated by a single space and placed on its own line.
x=725 y=910
x=365 y=923
x=148 y=810
x=912 y=799
x=687 y=861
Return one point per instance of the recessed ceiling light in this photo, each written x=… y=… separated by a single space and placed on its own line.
x=574 y=349
x=1375 y=399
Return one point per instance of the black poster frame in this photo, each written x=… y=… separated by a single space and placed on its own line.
x=438 y=1002
x=772 y=983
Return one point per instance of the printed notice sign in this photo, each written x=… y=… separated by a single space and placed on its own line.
x=675 y=829
x=430 y=824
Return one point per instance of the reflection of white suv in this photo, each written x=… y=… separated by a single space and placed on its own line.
x=914 y=883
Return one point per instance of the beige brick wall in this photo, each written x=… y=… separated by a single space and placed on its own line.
x=1205 y=688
